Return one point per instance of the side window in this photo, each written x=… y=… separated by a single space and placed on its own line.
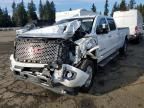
x=100 y=29
x=102 y=21
x=111 y=24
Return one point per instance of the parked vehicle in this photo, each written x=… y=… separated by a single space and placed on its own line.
x=132 y=19
x=64 y=57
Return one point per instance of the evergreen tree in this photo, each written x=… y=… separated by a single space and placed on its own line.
x=115 y=8
x=143 y=12
x=14 y=16
x=7 y=19
x=1 y=18
x=13 y=6
x=53 y=12
x=100 y=13
x=123 y=6
x=41 y=10
x=106 y=10
x=22 y=18
x=93 y=7
x=70 y=9
x=140 y=7
x=47 y=10
x=131 y=4
x=118 y=7
x=32 y=11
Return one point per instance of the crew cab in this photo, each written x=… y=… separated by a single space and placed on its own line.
x=64 y=57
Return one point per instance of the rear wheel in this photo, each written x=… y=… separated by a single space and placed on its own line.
x=123 y=50
x=88 y=67
x=138 y=39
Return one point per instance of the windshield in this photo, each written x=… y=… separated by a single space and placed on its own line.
x=86 y=23
x=29 y=26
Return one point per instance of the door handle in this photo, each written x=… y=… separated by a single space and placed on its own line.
x=110 y=36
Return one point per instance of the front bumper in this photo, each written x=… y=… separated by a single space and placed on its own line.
x=58 y=83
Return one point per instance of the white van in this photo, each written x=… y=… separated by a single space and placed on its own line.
x=132 y=19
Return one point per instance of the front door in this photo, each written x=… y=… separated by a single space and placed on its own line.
x=103 y=40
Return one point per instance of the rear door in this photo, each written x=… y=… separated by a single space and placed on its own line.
x=113 y=35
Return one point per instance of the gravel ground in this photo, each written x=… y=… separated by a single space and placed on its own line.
x=120 y=84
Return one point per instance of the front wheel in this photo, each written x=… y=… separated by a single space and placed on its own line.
x=88 y=67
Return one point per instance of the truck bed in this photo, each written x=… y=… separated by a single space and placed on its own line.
x=124 y=31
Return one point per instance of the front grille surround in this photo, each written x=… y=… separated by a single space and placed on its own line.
x=44 y=51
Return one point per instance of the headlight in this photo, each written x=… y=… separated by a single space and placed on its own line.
x=90 y=44
x=69 y=75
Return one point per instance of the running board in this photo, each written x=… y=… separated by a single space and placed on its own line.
x=108 y=59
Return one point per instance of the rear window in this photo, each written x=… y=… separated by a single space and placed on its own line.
x=111 y=24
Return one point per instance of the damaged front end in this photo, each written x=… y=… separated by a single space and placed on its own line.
x=62 y=80
x=51 y=62
x=47 y=62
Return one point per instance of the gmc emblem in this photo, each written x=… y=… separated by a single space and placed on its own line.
x=35 y=50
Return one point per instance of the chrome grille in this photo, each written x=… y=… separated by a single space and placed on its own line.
x=40 y=50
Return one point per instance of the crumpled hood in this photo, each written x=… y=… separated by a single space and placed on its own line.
x=20 y=31
x=64 y=31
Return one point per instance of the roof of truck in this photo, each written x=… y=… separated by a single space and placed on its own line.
x=84 y=16
x=87 y=16
x=73 y=13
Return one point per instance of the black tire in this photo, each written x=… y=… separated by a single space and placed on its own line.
x=123 y=50
x=137 y=40
x=87 y=64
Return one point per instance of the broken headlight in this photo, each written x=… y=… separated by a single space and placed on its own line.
x=90 y=44
x=69 y=75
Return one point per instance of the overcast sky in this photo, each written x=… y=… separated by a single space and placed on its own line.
x=62 y=5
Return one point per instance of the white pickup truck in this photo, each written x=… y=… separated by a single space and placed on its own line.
x=64 y=57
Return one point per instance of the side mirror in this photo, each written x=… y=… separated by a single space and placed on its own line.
x=102 y=29
x=104 y=26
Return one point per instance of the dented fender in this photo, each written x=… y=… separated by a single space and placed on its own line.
x=86 y=46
